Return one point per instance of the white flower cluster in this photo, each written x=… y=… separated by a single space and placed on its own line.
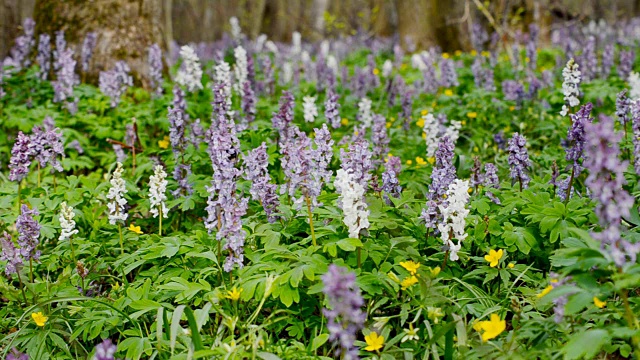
x=634 y=84
x=454 y=212
x=190 y=73
x=387 y=68
x=356 y=215
x=571 y=76
x=364 y=112
x=222 y=76
x=309 y=108
x=67 y=224
x=116 y=195
x=332 y=63
x=240 y=69
x=431 y=129
x=296 y=43
x=236 y=31
x=453 y=130
x=287 y=72
x=157 y=189
x=324 y=48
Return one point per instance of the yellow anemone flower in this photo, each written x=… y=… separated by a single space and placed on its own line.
x=411 y=266
x=448 y=92
x=164 y=143
x=344 y=121
x=420 y=161
x=472 y=115
x=234 y=294
x=545 y=291
x=599 y=303
x=492 y=328
x=39 y=318
x=494 y=257
x=135 y=229
x=374 y=341
x=409 y=282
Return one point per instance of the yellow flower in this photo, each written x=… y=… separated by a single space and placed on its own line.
x=545 y=291
x=435 y=271
x=374 y=341
x=39 y=318
x=411 y=266
x=164 y=143
x=234 y=294
x=511 y=265
x=511 y=108
x=457 y=53
x=420 y=122
x=445 y=55
x=376 y=71
x=527 y=59
x=485 y=53
x=344 y=121
x=470 y=190
x=424 y=112
x=431 y=160
x=477 y=326
x=388 y=124
x=409 y=282
x=393 y=277
x=135 y=229
x=434 y=314
x=494 y=257
x=424 y=135
x=475 y=149
x=116 y=286
x=492 y=328
x=448 y=92
x=420 y=161
x=472 y=115
x=473 y=53
x=409 y=162
x=599 y=303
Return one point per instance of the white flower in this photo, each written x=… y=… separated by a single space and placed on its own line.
x=240 y=69
x=387 y=68
x=332 y=63
x=222 y=76
x=116 y=195
x=259 y=43
x=454 y=212
x=634 y=84
x=453 y=131
x=324 y=48
x=410 y=334
x=271 y=46
x=380 y=322
x=157 y=189
x=287 y=72
x=364 y=112
x=309 y=108
x=431 y=129
x=236 y=31
x=67 y=224
x=190 y=73
x=571 y=76
x=351 y=200
x=296 y=43
x=417 y=62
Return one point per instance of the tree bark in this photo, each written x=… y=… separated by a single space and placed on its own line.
x=125 y=28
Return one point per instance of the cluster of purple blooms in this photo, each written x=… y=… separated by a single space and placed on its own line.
x=256 y=163
x=43 y=146
x=115 y=82
x=358 y=160
x=574 y=147
x=345 y=317
x=86 y=52
x=155 y=68
x=390 y=183
x=332 y=109
x=28 y=233
x=443 y=174
x=44 y=56
x=519 y=160
x=66 y=79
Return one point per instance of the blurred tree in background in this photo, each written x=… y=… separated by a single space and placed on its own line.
x=126 y=27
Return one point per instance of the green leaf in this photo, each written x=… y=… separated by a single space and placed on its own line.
x=349 y=244
x=585 y=344
x=319 y=341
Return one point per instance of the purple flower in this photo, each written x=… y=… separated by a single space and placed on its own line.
x=477 y=178
x=114 y=83
x=249 y=103
x=323 y=153
x=231 y=230
x=623 y=106
x=626 y=63
x=606 y=180
x=86 y=52
x=345 y=317
x=519 y=160
x=407 y=108
x=390 y=183
x=576 y=135
x=588 y=60
x=15 y=354
x=256 y=163
x=357 y=161
x=10 y=254
x=24 y=44
x=28 y=233
x=555 y=172
x=608 y=54
x=268 y=82
x=177 y=131
x=444 y=172
x=635 y=129
x=491 y=180
x=181 y=174
x=66 y=79
x=46 y=146
x=105 y=350
x=332 y=109
x=513 y=90
x=448 y=76
x=500 y=141
x=429 y=78
x=61 y=46
x=44 y=56
x=282 y=119
x=21 y=157
x=155 y=68
x=479 y=36
x=379 y=138
x=559 y=303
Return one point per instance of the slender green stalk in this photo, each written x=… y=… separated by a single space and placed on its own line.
x=38 y=174
x=359 y=256
x=31 y=270
x=121 y=242
x=24 y=296
x=313 y=234
x=160 y=218
x=73 y=254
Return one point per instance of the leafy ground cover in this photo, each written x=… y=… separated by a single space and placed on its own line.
x=335 y=200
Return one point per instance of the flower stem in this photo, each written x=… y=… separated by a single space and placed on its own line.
x=73 y=254
x=38 y=174
x=22 y=288
x=160 y=219
x=120 y=233
x=31 y=270
x=313 y=234
x=573 y=173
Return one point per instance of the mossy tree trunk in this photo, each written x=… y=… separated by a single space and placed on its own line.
x=125 y=28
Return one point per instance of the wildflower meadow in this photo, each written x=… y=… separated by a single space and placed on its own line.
x=340 y=199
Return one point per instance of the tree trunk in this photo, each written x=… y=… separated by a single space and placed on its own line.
x=125 y=28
